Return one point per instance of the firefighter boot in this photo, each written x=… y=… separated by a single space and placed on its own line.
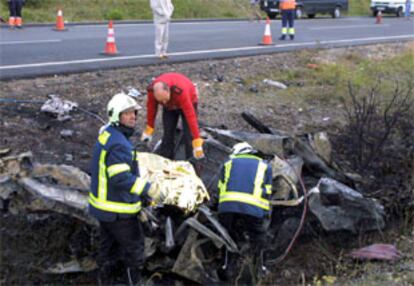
x=134 y=276
x=283 y=37
x=105 y=276
x=292 y=37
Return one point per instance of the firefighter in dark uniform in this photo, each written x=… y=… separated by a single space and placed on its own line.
x=245 y=187
x=117 y=192
x=179 y=97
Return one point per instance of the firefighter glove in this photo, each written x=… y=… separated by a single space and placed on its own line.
x=198 y=152
x=147 y=134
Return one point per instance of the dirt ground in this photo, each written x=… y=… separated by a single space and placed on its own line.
x=227 y=87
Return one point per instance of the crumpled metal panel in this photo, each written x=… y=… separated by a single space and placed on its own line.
x=339 y=207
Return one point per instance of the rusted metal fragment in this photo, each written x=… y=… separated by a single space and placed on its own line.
x=378 y=251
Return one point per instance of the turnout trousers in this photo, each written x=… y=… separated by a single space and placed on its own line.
x=122 y=239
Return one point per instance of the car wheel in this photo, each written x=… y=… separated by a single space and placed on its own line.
x=336 y=13
x=311 y=16
x=399 y=12
x=374 y=13
x=299 y=12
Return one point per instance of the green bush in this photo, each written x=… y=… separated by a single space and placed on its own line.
x=113 y=14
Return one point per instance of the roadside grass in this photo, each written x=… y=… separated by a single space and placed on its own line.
x=328 y=82
x=98 y=10
x=43 y=11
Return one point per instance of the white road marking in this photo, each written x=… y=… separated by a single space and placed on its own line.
x=30 y=42
x=120 y=25
x=199 y=52
x=350 y=27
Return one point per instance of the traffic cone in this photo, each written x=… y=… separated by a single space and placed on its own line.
x=267 y=37
x=60 y=24
x=110 y=47
x=378 y=18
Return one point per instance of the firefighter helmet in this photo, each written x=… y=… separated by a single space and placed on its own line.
x=120 y=102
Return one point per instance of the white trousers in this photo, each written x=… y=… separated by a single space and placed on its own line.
x=161 y=38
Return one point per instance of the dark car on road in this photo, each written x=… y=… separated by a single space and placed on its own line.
x=308 y=7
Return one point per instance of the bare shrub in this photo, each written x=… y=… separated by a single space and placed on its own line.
x=373 y=117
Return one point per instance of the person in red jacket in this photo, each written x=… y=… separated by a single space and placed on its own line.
x=179 y=97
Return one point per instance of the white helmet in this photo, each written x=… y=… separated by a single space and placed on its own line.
x=120 y=102
x=243 y=148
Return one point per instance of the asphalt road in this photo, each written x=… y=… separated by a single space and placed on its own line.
x=38 y=50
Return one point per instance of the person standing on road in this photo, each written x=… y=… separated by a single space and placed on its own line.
x=179 y=97
x=288 y=10
x=162 y=11
x=254 y=10
x=245 y=187
x=15 y=9
x=407 y=8
x=117 y=192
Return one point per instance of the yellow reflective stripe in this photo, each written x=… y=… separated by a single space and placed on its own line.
x=118 y=168
x=268 y=189
x=103 y=138
x=245 y=198
x=102 y=181
x=138 y=186
x=227 y=170
x=258 y=181
x=221 y=185
x=134 y=154
x=115 y=207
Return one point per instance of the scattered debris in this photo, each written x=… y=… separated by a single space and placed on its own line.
x=58 y=107
x=274 y=83
x=378 y=251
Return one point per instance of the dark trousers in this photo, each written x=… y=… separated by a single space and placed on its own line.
x=122 y=239
x=240 y=225
x=15 y=8
x=170 y=122
x=288 y=17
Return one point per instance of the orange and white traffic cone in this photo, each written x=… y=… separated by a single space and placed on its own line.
x=60 y=24
x=267 y=37
x=378 y=19
x=110 y=47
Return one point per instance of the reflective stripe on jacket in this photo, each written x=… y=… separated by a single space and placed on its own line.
x=116 y=188
x=287 y=4
x=245 y=186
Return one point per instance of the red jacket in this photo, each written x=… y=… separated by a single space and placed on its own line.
x=183 y=96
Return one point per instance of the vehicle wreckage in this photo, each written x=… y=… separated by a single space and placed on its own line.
x=184 y=235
